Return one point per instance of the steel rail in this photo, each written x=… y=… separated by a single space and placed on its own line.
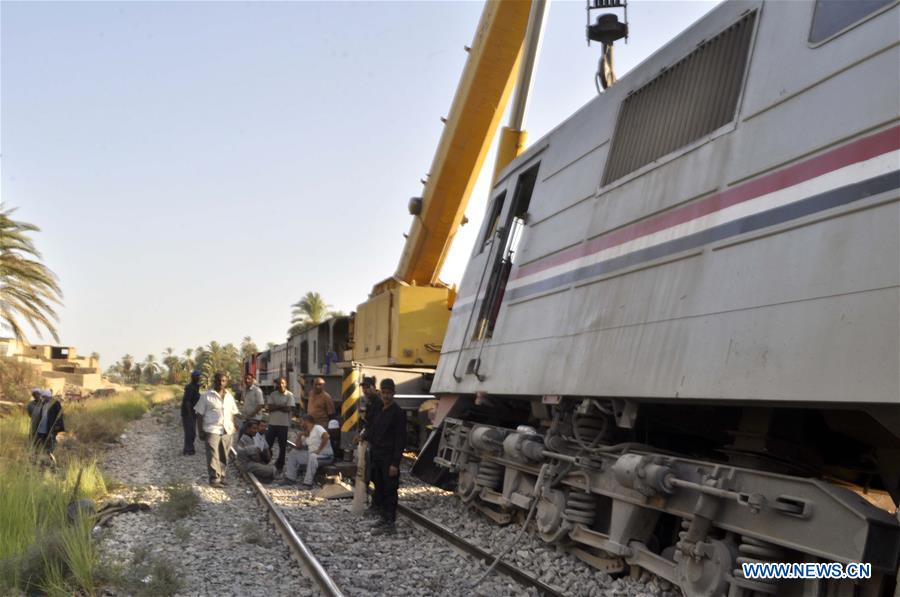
x=312 y=568
x=446 y=534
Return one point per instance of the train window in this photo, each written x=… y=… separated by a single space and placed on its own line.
x=493 y=220
x=510 y=236
x=690 y=99
x=832 y=16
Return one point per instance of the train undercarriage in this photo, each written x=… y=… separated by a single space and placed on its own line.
x=688 y=496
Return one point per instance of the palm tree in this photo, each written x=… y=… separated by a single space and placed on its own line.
x=226 y=359
x=127 y=363
x=150 y=368
x=172 y=363
x=28 y=289
x=309 y=311
x=188 y=360
x=248 y=347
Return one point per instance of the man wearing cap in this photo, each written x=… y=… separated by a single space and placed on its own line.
x=36 y=398
x=334 y=436
x=49 y=416
x=370 y=405
x=217 y=409
x=387 y=436
x=188 y=418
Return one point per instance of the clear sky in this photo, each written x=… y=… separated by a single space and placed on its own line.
x=196 y=167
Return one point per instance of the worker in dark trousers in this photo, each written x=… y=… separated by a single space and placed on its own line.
x=369 y=407
x=387 y=436
x=188 y=416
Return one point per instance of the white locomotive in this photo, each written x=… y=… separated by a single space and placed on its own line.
x=688 y=297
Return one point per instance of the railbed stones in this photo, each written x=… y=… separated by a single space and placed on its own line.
x=411 y=562
x=214 y=550
x=553 y=565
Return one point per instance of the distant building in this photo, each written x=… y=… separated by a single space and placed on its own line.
x=57 y=365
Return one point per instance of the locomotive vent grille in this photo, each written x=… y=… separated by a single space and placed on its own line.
x=685 y=102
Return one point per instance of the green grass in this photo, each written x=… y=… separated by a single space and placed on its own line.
x=103 y=420
x=40 y=549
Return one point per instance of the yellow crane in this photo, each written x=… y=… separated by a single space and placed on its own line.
x=404 y=320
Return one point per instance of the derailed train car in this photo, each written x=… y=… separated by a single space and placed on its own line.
x=676 y=342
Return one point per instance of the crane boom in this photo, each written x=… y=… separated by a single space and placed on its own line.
x=404 y=320
x=481 y=97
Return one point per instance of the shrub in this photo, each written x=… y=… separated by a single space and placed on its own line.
x=16 y=379
x=181 y=502
x=103 y=420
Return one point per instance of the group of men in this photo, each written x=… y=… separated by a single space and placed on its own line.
x=47 y=419
x=267 y=420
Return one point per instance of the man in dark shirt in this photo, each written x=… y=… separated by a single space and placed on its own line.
x=387 y=436
x=33 y=407
x=371 y=403
x=188 y=417
x=369 y=407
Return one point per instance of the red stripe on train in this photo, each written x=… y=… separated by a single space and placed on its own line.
x=857 y=151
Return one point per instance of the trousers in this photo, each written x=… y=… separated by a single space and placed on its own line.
x=386 y=487
x=280 y=433
x=298 y=459
x=263 y=472
x=189 y=422
x=217 y=447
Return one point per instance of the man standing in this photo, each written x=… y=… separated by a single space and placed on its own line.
x=387 y=436
x=217 y=410
x=318 y=451
x=49 y=421
x=253 y=398
x=34 y=406
x=188 y=418
x=370 y=405
x=280 y=404
x=369 y=408
x=320 y=405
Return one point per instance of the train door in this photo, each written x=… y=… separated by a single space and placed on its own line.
x=503 y=259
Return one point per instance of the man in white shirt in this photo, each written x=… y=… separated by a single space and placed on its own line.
x=318 y=451
x=216 y=409
x=260 y=438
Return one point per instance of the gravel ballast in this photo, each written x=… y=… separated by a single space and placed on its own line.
x=226 y=547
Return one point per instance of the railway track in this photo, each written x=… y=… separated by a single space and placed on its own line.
x=444 y=551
